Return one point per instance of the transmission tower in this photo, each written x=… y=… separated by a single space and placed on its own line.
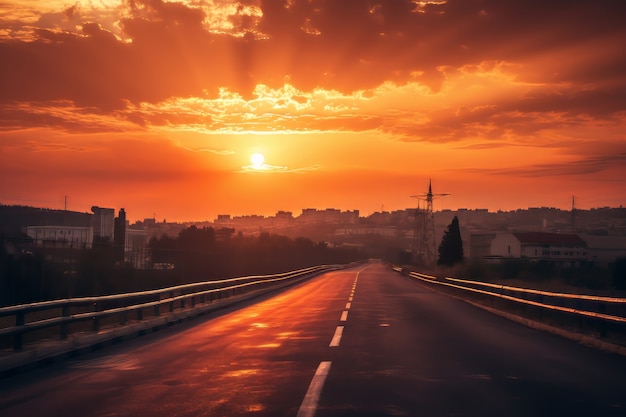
x=424 y=247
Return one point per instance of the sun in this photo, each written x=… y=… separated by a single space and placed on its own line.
x=258 y=160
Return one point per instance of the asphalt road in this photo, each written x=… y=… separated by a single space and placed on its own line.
x=359 y=342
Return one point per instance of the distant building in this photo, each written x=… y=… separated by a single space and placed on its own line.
x=480 y=245
x=604 y=250
x=224 y=233
x=284 y=215
x=223 y=219
x=390 y=232
x=15 y=219
x=103 y=222
x=328 y=216
x=119 y=228
x=309 y=216
x=119 y=234
x=136 y=248
x=559 y=248
x=61 y=236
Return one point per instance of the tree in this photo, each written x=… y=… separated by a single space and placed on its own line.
x=451 y=247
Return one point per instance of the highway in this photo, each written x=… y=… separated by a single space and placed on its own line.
x=365 y=341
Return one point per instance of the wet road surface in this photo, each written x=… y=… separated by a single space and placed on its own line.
x=360 y=342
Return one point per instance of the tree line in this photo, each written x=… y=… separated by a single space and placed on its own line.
x=194 y=255
x=198 y=253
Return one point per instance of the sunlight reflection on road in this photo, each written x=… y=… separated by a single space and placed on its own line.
x=241 y=372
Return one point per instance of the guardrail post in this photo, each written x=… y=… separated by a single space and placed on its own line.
x=172 y=302
x=17 y=337
x=65 y=311
x=540 y=311
x=581 y=319
x=603 y=324
x=96 y=319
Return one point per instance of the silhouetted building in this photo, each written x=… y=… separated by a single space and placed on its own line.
x=605 y=250
x=61 y=236
x=224 y=233
x=136 y=251
x=328 y=216
x=103 y=222
x=390 y=231
x=15 y=219
x=61 y=245
x=223 y=219
x=284 y=215
x=119 y=234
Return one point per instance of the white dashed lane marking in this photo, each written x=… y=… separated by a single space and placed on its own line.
x=344 y=316
x=312 y=396
x=336 y=337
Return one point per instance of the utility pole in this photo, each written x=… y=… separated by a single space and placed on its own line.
x=425 y=245
x=573 y=215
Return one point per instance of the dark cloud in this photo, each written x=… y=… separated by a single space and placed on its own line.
x=58 y=115
x=581 y=167
x=345 y=45
x=590 y=101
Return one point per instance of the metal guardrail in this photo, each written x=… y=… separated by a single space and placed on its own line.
x=610 y=309
x=66 y=312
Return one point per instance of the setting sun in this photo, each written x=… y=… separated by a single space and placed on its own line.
x=257 y=160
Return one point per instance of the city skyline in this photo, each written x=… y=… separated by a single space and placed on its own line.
x=185 y=110
x=222 y=217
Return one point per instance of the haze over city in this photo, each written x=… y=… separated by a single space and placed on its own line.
x=188 y=109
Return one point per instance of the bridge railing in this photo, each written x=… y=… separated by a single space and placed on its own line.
x=37 y=321
x=607 y=309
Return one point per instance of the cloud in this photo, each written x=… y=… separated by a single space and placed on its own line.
x=39 y=146
x=484 y=145
x=579 y=167
x=208 y=150
x=62 y=115
x=166 y=49
x=266 y=168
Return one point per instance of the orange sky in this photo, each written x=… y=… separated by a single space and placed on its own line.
x=156 y=106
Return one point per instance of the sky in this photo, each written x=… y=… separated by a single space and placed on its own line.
x=158 y=106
